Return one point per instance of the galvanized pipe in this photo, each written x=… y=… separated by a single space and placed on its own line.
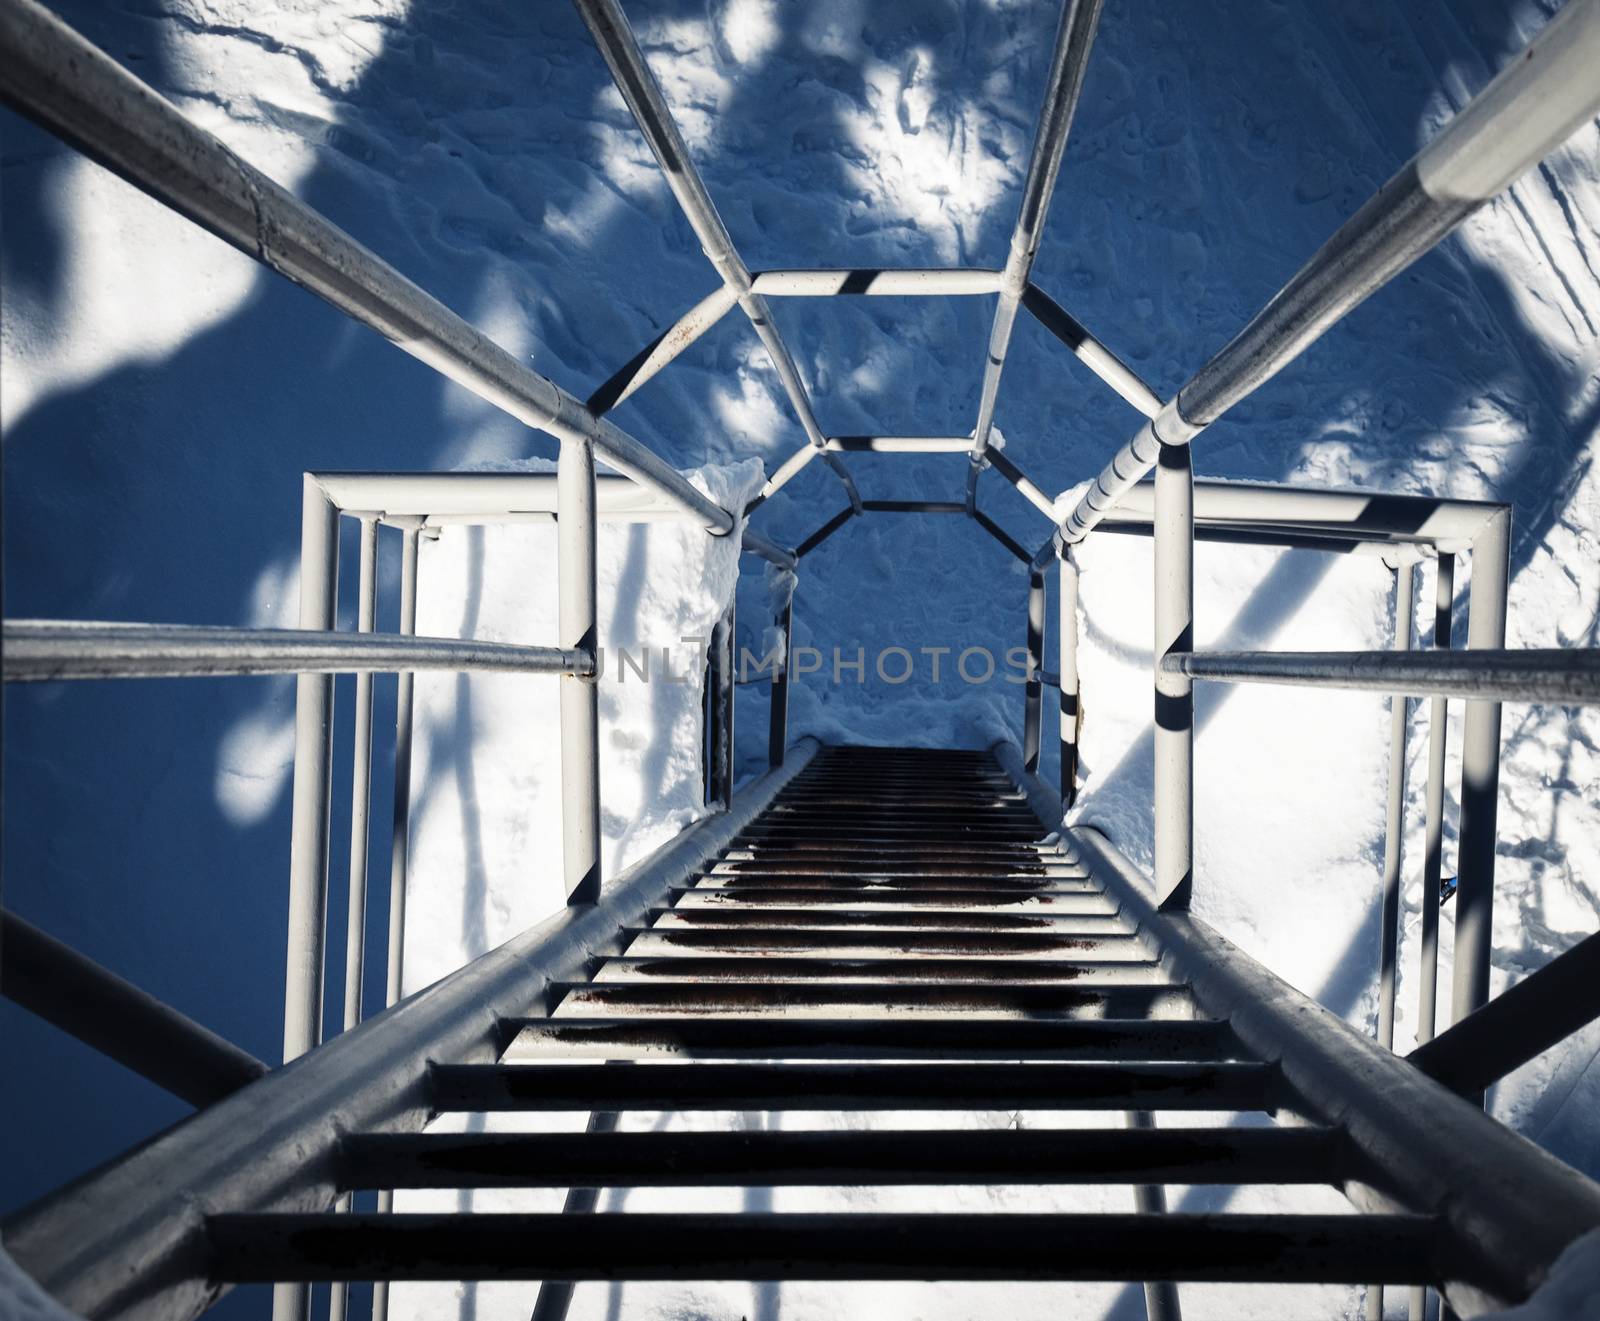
x=1160 y=1296
x=642 y=94
x=1508 y=1207
x=783 y=474
x=580 y=694
x=903 y=283
x=361 y=787
x=1550 y=676
x=355 y=933
x=51 y=74
x=1542 y=1009
x=1174 y=693
x=1033 y=691
x=313 y=772
x=1068 y=61
x=1433 y=827
x=1319 y=518
x=44 y=650
x=400 y=839
x=492 y=496
x=1002 y=536
x=1480 y=754
x=310 y=806
x=1405 y=587
x=1529 y=109
x=824 y=532
x=1091 y=352
x=913 y=507
x=130 y=1238
x=117 y=1018
x=1002 y=464
x=754 y=543
x=901 y=444
x=1071 y=711
x=661 y=350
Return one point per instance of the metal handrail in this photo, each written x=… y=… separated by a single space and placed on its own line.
x=1559 y=676
x=46 y=650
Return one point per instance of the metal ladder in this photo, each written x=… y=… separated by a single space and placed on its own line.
x=895 y=913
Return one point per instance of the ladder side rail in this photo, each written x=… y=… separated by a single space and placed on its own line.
x=130 y=1238
x=1508 y=1209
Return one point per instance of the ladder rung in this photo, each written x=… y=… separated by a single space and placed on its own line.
x=976 y=924
x=868 y=1038
x=802 y=877
x=656 y=941
x=1335 y=1249
x=848 y=1159
x=826 y=900
x=811 y=968
x=847 y=1087
x=1026 y=851
x=821 y=1000
x=921 y=875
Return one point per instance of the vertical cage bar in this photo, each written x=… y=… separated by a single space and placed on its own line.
x=308 y=836
x=1405 y=587
x=400 y=842
x=355 y=933
x=1174 y=693
x=1071 y=717
x=580 y=695
x=361 y=785
x=1433 y=827
x=778 y=728
x=1480 y=775
x=1405 y=590
x=1033 y=709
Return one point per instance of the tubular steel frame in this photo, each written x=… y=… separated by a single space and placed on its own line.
x=51 y=74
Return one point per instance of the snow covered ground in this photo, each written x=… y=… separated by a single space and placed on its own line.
x=160 y=396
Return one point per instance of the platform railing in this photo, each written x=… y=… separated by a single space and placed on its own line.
x=51 y=74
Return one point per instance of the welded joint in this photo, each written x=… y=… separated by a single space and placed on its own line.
x=1404 y=556
x=1171 y=427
